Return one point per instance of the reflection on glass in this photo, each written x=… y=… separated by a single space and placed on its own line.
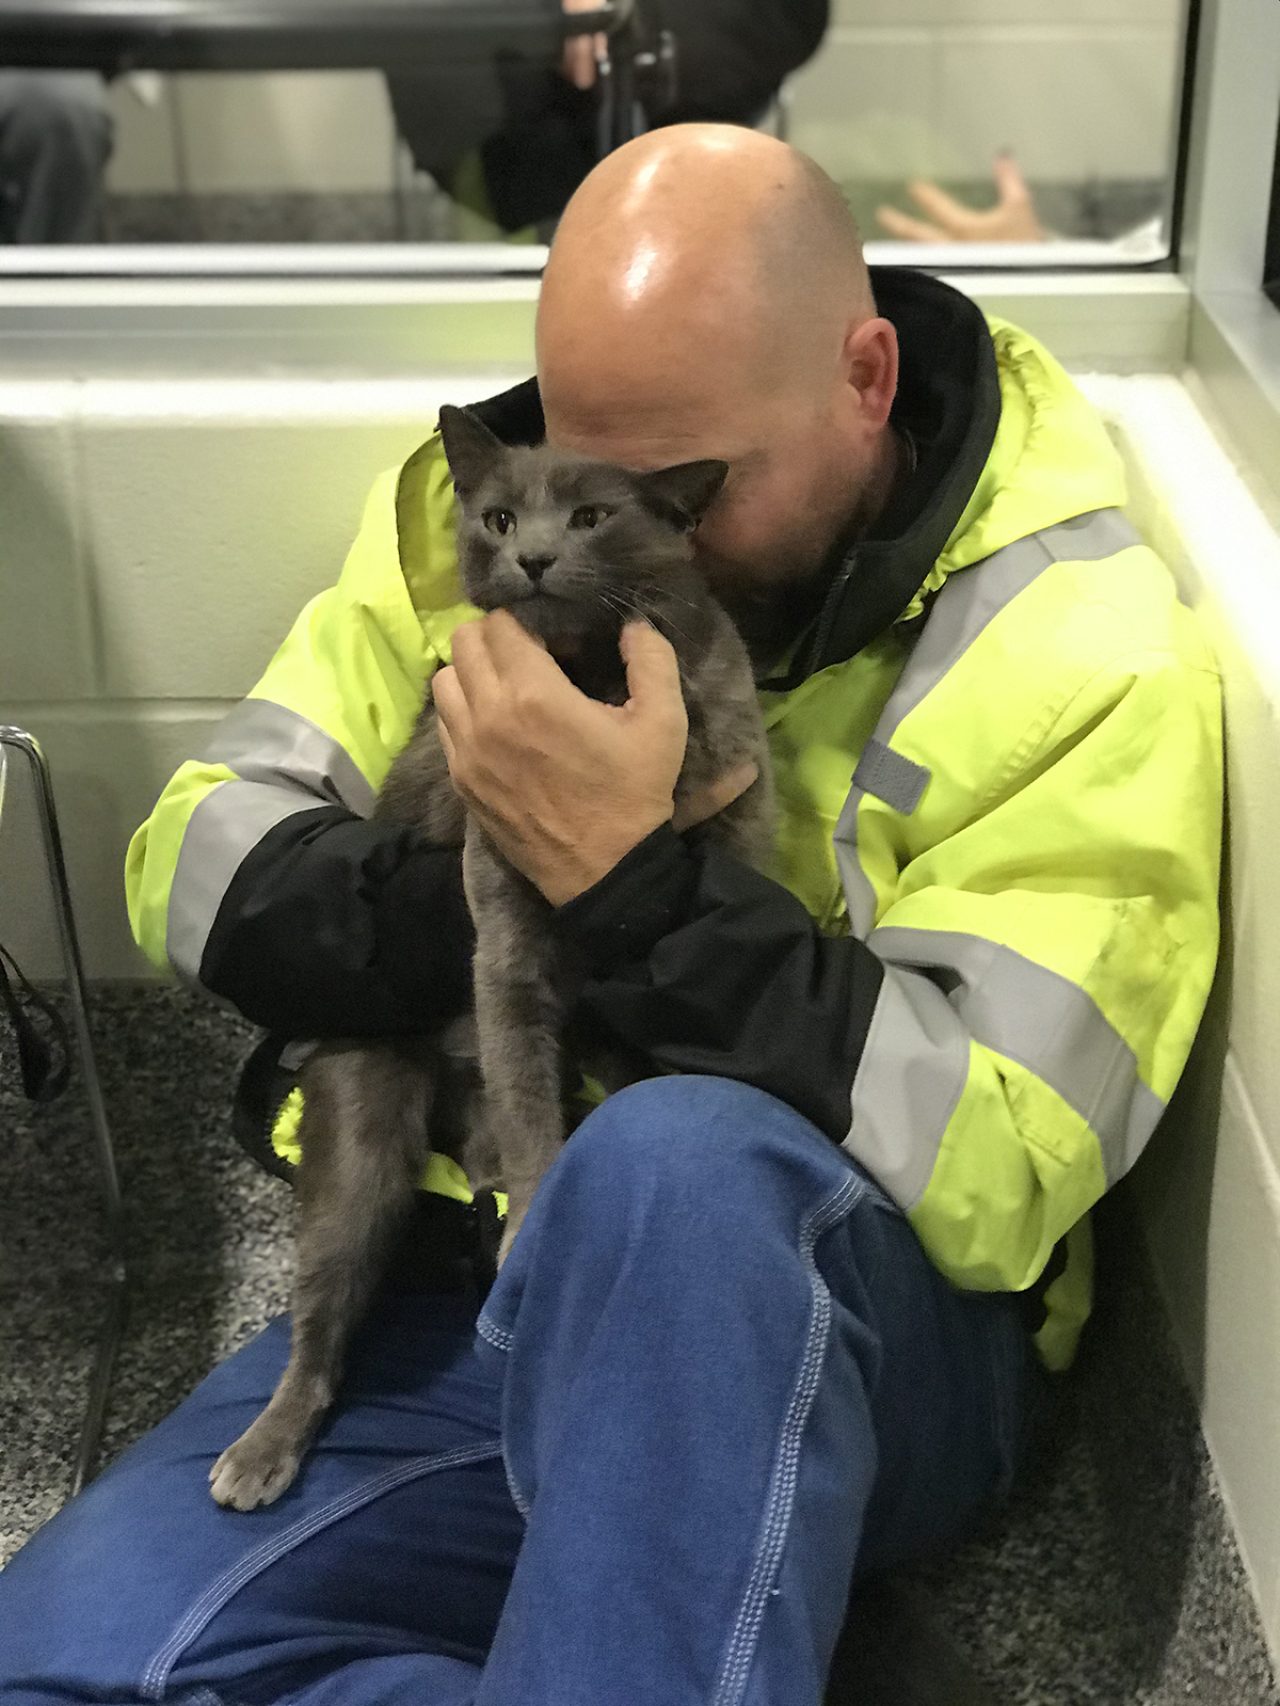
x=945 y=122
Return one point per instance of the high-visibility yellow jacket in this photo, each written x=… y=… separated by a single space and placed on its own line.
x=982 y=949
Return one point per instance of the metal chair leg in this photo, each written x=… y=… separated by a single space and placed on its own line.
x=112 y=1330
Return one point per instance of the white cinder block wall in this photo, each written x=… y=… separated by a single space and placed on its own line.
x=899 y=87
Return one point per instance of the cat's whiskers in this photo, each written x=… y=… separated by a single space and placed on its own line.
x=668 y=595
x=629 y=607
x=618 y=608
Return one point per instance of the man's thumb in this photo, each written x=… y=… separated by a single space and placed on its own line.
x=653 y=673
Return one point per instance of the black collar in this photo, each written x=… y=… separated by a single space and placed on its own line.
x=948 y=401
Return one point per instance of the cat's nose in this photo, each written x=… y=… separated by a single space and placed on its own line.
x=534 y=567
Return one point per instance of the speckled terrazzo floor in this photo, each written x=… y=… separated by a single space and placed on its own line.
x=1111 y=1578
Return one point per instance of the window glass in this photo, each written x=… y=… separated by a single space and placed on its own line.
x=1046 y=133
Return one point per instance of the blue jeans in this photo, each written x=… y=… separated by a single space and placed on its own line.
x=715 y=1377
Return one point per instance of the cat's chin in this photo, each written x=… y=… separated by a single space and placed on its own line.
x=558 y=624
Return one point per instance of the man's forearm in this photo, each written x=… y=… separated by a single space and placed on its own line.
x=707 y=966
x=336 y=925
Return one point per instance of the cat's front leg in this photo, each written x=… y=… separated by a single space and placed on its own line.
x=519 y=1018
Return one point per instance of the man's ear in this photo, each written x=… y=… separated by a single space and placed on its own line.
x=473 y=451
x=871 y=365
x=684 y=493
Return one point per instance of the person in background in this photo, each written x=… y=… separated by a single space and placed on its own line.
x=56 y=135
x=514 y=139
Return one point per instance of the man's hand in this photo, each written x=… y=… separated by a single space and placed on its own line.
x=565 y=785
x=581 y=52
x=1012 y=220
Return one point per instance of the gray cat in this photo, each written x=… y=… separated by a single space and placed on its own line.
x=574 y=548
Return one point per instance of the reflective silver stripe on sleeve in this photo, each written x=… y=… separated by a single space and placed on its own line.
x=970 y=598
x=913 y=1070
x=915 y=1061
x=222 y=831
x=1043 y=1021
x=859 y=896
x=265 y=742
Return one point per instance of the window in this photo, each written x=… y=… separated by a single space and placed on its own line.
x=429 y=128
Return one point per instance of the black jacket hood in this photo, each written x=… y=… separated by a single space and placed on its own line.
x=948 y=401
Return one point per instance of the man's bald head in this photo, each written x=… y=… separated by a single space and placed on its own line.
x=706 y=296
x=701 y=246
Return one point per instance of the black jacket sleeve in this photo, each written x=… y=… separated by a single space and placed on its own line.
x=337 y=925
x=691 y=956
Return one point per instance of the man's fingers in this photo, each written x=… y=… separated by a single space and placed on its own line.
x=1019 y=221
x=909 y=229
x=453 y=715
x=943 y=209
x=581 y=52
x=653 y=674
x=697 y=808
x=477 y=677
x=580 y=61
x=1011 y=186
x=515 y=654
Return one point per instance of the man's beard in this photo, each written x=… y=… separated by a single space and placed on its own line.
x=770 y=617
x=773 y=610
x=771 y=613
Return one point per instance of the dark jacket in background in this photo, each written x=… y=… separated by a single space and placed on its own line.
x=536 y=133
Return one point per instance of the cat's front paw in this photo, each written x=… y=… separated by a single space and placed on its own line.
x=256 y=1469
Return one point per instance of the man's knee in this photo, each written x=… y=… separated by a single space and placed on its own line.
x=693 y=1135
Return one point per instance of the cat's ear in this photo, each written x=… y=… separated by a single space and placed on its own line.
x=683 y=493
x=473 y=451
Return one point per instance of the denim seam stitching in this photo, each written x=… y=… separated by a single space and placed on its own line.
x=503 y=1340
x=497 y=1336
x=742 y=1643
x=221 y=1592
x=522 y=1504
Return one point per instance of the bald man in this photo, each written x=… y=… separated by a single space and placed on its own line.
x=779 y=1317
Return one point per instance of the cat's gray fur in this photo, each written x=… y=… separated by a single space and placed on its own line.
x=372 y=1109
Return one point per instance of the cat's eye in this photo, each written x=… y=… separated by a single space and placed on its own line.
x=589 y=515
x=500 y=521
